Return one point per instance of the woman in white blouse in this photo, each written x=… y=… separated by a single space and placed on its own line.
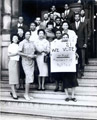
x=13 y=66
x=42 y=48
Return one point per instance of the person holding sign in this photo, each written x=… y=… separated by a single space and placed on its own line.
x=63 y=61
x=72 y=35
x=69 y=79
x=57 y=75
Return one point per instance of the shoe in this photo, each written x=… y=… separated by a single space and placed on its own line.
x=39 y=89
x=67 y=99
x=56 y=89
x=74 y=99
x=27 y=97
x=13 y=96
x=31 y=97
x=43 y=89
x=20 y=88
x=62 y=90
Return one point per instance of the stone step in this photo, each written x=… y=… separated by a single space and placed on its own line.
x=87 y=80
x=50 y=95
x=52 y=108
x=90 y=70
x=7 y=116
x=92 y=62
x=82 y=83
x=80 y=91
x=52 y=86
x=89 y=73
x=87 y=76
x=89 y=67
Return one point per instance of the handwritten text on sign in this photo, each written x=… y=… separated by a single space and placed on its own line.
x=63 y=57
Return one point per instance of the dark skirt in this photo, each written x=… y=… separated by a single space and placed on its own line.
x=70 y=80
x=22 y=74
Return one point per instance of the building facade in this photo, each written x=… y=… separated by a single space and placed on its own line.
x=11 y=9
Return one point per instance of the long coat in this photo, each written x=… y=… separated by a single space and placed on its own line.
x=81 y=33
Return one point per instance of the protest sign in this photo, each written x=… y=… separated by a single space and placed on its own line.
x=63 y=57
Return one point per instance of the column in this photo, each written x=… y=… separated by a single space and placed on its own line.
x=6 y=25
x=15 y=11
x=0 y=37
x=10 y=12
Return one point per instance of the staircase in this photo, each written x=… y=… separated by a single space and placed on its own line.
x=52 y=105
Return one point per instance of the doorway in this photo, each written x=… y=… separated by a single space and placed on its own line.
x=35 y=8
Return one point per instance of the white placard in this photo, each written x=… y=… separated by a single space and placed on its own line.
x=63 y=57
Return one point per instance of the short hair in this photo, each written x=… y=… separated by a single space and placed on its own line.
x=58 y=30
x=76 y=13
x=28 y=31
x=21 y=28
x=34 y=23
x=66 y=22
x=57 y=18
x=12 y=35
x=20 y=16
x=49 y=23
x=65 y=34
x=38 y=17
x=41 y=30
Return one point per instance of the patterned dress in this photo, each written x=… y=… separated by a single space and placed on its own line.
x=42 y=45
x=27 y=47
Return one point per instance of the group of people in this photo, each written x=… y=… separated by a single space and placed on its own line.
x=30 y=50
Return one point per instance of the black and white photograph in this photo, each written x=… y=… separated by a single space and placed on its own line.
x=48 y=59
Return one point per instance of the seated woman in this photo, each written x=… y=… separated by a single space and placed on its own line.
x=42 y=48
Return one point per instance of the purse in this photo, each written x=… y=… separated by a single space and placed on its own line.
x=47 y=58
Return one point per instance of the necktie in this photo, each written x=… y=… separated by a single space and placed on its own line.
x=66 y=13
x=77 y=25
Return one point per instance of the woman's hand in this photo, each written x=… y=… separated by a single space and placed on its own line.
x=31 y=56
x=77 y=56
x=35 y=56
x=12 y=54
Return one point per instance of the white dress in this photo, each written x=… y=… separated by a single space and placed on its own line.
x=13 y=64
x=42 y=45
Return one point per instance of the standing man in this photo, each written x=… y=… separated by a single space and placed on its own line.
x=20 y=23
x=86 y=21
x=33 y=31
x=38 y=22
x=54 y=12
x=81 y=31
x=45 y=21
x=68 y=13
x=58 y=24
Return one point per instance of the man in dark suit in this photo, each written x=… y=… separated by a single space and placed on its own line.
x=58 y=24
x=68 y=13
x=81 y=31
x=83 y=19
x=19 y=23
